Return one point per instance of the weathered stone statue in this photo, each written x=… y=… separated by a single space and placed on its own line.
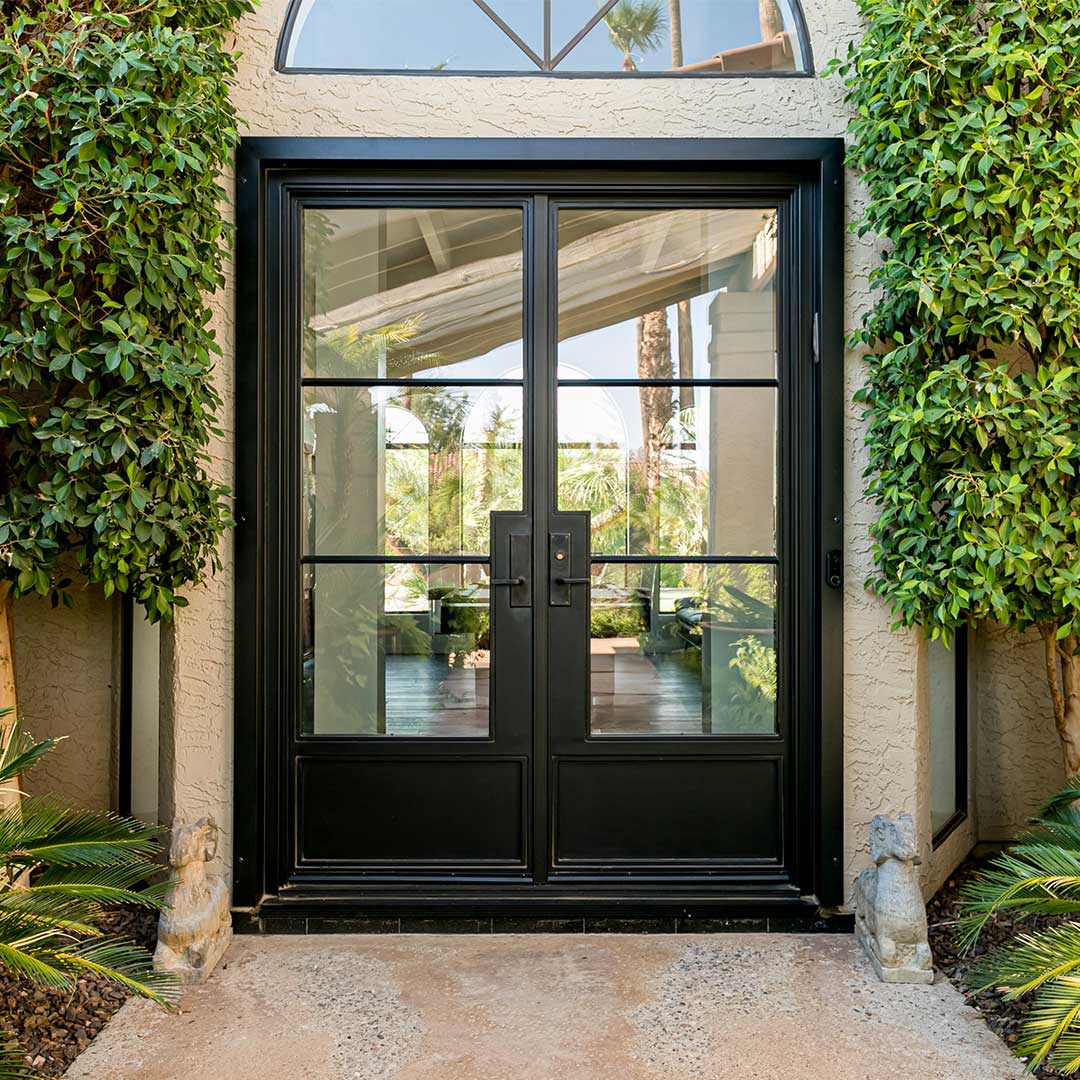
x=195 y=931
x=890 y=916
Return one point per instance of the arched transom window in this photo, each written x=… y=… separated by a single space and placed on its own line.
x=650 y=37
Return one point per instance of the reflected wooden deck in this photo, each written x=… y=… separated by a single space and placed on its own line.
x=631 y=694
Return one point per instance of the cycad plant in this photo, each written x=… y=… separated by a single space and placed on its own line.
x=61 y=870
x=1039 y=875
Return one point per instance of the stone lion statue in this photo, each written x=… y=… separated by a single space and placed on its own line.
x=196 y=928
x=890 y=915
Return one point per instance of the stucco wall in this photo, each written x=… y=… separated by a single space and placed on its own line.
x=64 y=661
x=1018 y=757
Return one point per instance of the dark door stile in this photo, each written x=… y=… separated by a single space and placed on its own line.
x=543 y=792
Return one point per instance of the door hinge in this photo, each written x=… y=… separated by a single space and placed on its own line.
x=815 y=346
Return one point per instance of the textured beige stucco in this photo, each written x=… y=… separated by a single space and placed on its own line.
x=65 y=671
x=1018 y=757
x=885 y=712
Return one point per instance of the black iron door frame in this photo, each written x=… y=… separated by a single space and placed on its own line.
x=808 y=174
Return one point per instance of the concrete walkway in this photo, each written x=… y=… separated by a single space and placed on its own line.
x=603 y=1007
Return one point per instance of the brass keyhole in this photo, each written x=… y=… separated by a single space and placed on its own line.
x=560 y=555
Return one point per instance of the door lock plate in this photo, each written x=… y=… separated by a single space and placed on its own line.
x=558 y=567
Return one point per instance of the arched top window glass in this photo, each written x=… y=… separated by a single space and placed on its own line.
x=570 y=37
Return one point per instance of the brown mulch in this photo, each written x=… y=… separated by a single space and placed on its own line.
x=1003 y=1017
x=55 y=1026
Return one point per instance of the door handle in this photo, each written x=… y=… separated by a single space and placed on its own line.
x=511 y=549
x=573 y=581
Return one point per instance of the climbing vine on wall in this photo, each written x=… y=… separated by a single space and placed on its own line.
x=115 y=123
x=967 y=135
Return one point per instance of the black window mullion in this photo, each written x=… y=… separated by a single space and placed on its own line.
x=735 y=384
x=716 y=560
x=362 y=383
x=396 y=560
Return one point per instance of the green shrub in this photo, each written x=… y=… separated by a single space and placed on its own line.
x=967 y=136
x=114 y=124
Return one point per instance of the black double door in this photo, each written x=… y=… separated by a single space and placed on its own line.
x=547 y=568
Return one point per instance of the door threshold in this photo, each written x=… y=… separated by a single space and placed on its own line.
x=341 y=915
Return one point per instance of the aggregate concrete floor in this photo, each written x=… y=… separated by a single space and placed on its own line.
x=550 y=1007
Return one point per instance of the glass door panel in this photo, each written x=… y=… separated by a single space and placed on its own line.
x=667 y=294
x=668 y=435
x=682 y=649
x=412 y=292
x=408 y=470
x=700 y=481
x=412 y=407
x=402 y=649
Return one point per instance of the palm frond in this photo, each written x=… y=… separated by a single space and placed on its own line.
x=60 y=869
x=19 y=753
x=1039 y=875
x=12 y=1060
x=1039 y=879
x=69 y=917
x=1047 y=1033
x=83 y=880
x=1032 y=960
x=33 y=965
x=635 y=24
x=124 y=963
x=1061 y=806
x=38 y=831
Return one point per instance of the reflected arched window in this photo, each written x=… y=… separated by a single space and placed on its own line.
x=682 y=37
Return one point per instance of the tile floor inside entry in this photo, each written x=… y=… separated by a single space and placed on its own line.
x=631 y=694
x=550 y=1007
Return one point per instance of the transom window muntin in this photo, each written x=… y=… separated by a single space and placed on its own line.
x=566 y=37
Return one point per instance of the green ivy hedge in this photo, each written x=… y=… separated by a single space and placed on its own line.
x=967 y=135
x=115 y=123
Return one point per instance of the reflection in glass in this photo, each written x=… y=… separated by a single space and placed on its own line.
x=693 y=36
x=701 y=481
x=668 y=294
x=406 y=35
x=408 y=470
x=945 y=724
x=396 y=650
x=411 y=292
x=682 y=649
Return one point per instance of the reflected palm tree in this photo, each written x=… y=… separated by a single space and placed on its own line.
x=638 y=26
x=675 y=23
x=635 y=26
x=657 y=409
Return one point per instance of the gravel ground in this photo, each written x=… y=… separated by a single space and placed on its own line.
x=54 y=1026
x=1002 y=1017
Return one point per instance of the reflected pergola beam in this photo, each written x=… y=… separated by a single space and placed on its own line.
x=435 y=238
x=606 y=277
